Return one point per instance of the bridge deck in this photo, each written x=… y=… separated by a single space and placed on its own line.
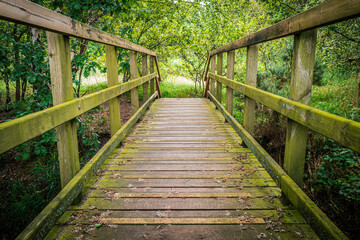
x=182 y=174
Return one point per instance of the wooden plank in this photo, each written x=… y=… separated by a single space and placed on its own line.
x=152 y=81
x=182 y=221
x=62 y=91
x=230 y=75
x=206 y=79
x=34 y=15
x=112 y=80
x=219 y=68
x=133 y=75
x=144 y=72
x=251 y=78
x=323 y=226
x=169 y=231
x=183 y=204
x=300 y=90
x=157 y=83
x=213 y=67
x=42 y=224
x=20 y=130
x=322 y=122
x=182 y=195
x=324 y=14
x=158 y=70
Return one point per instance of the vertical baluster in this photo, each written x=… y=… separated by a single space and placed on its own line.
x=219 y=66
x=112 y=80
x=251 y=78
x=62 y=91
x=213 y=67
x=133 y=75
x=300 y=90
x=144 y=73
x=230 y=75
x=152 y=81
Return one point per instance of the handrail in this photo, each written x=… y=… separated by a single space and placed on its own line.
x=31 y=14
x=20 y=130
x=324 y=227
x=317 y=120
x=324 y=14
x=48 y=217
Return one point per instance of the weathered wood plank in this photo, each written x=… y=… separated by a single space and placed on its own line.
x=42 y=224
x=219 y=69
x=212 y=69
x=112 y=80
x=251 y=78
x=20 y=130
x=133 y=75
x=31 y=14
x=324 y=14
x=300 y=90
x=319 y=121
x=62 y=91
x=230 y=75
x=152 y=81
x=144 y=71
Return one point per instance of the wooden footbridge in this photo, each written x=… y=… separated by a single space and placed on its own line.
x=185 y=168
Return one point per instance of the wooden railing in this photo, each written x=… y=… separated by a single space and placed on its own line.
x=300 y=116
x=62 y=115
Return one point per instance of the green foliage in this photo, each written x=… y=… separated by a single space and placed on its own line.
x=339 y=172
x=170 y=89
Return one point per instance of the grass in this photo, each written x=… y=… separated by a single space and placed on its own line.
x=172 y=89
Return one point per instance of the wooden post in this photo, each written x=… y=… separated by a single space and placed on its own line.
x=62 y=91
x=112 y=80
x=133 y=75
x=251 y=78
x=158 y=69
x=152 y=81
x=230 y=75
x=213 y=66
x=219 y=66
x=300 y=90
x=144 y=72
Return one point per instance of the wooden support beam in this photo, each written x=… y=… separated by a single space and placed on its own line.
x=206 y=83
x=158 y=69
x=230 y=75
x=324 y=14
x=152 y=81
x=62 y=91
x=219 y=67
x=212 y=70
x=347 y=131
x=112 y=80
x=251 y=75
x=300 y=90
x=133 y=75
x=158 y=90
x=144 y=72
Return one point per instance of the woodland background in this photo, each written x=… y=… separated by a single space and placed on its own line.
x=182 y=32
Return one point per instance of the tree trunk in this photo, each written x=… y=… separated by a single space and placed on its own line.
x=8 y=98
x=23 y=88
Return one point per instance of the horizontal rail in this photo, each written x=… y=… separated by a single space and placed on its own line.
x=20 y=130
x=323 y=226
x=324 y=14
x=48 y=217
x=31 y=14
x=342 y=130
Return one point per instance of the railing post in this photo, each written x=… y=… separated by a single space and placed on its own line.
x=112 y=80
x=213 y=67
x=144 y=72
x=133 y=75
x=62 y=91
x=300 y=90
x=219 y=66
x=230 y=75
x=251 y=78
x=152 y=81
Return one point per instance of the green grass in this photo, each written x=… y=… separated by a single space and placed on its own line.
x=178 y=90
